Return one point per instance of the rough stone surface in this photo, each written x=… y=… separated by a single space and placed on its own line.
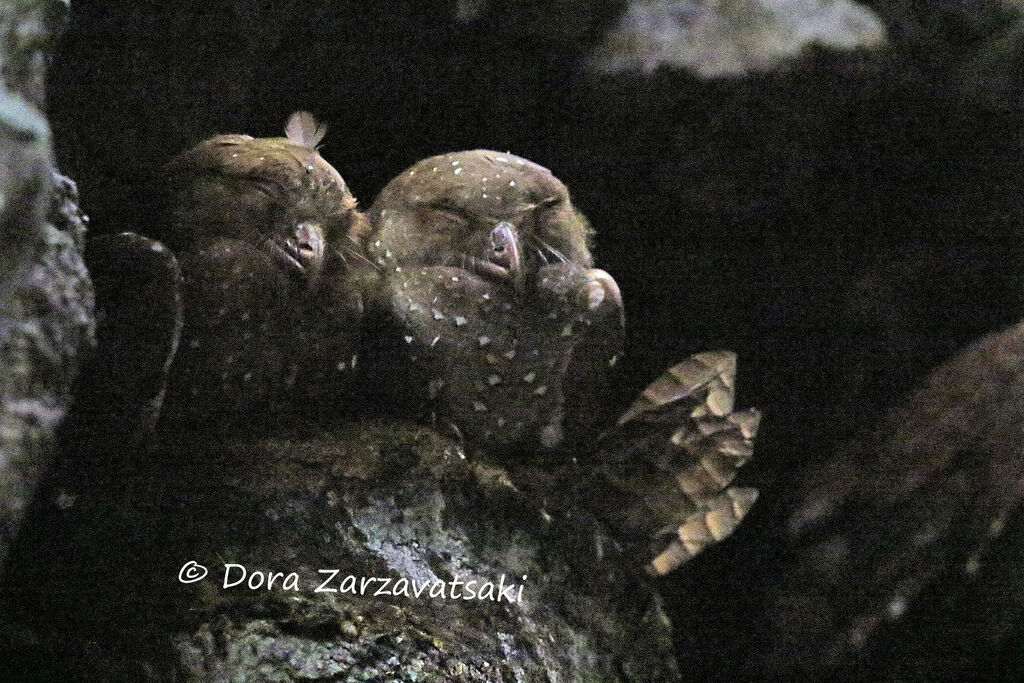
x=380 y=499
x=715 y=39
x=45 y=305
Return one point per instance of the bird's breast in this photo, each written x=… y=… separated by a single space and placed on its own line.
x=489 y=362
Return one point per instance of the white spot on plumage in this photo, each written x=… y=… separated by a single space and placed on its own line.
x=434 y=387
x=897 y=607
x=551 y=435
x=996 y=527
x=484 y=341
x=530 y=376
x=479 y=407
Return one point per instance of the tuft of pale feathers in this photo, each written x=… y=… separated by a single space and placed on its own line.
x=304 y=130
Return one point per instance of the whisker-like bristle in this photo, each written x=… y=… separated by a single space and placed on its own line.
x=356 y=253
x=554 y=252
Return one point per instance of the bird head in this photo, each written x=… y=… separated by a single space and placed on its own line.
x=498 y=215
x=276 y=193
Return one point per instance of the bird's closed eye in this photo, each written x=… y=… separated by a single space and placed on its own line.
x=448 y=212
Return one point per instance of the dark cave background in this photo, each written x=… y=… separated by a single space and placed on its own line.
x=844 y=223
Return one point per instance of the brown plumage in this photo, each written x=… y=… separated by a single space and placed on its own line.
x=267 y=235
x=666 y=467
x=273 y=192
x=488 y=277
x=510 y=338
x=121 y=388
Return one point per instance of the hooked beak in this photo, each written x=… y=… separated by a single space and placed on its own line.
x=503 y=251
x=303 y=253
